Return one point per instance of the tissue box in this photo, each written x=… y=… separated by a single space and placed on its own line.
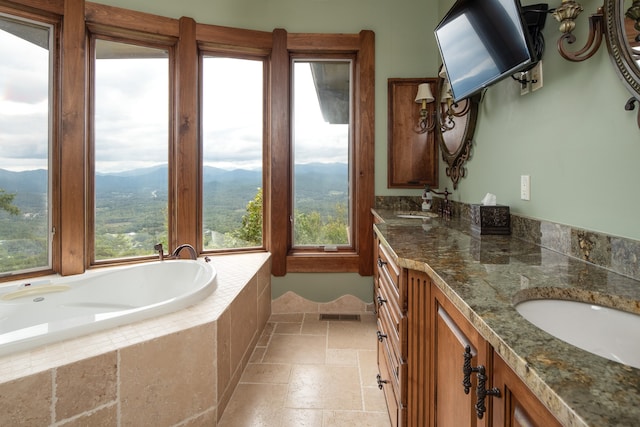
x=490 y=219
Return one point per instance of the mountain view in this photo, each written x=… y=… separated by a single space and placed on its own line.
x=131 y=208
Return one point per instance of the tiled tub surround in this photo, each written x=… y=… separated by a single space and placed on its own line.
x=484 y=275
x=178 y=369
x=614 y=253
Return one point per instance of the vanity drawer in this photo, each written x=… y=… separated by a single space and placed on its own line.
x=390 y=374
x=386 y=385
x=394 y=322
x=389 y=273
x=388 y=349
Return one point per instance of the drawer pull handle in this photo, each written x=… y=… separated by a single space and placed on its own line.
x=381 y=300
x=380 y=381
x=381 y=263
x=381 y=336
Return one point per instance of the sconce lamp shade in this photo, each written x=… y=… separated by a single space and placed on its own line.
x=446 y=92
x=443 y=72
x=424 y=93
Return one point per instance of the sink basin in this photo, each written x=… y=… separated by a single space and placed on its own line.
x=416 y=214
x=603 y=331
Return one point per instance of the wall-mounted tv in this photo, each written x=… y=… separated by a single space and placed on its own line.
x=482 y=42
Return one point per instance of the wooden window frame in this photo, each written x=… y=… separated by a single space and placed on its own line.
x=114 y=34
x=361 y=48
x=50 y=16
x=71 y=251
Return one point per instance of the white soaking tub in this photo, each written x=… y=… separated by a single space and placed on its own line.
x=43 y=311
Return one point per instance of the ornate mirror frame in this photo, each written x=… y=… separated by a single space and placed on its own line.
x=455 y=130
x=616 y=34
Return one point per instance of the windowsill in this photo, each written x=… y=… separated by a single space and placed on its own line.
x=323 y=262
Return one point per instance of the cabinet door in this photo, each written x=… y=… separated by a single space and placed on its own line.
x=451 y=334
x=519 y=407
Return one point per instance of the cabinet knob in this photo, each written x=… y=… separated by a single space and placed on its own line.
x=381 y=262
x=380 y=381
x=381 y=336
x=381 y=300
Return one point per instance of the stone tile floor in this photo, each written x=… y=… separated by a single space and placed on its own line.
x=312 y=373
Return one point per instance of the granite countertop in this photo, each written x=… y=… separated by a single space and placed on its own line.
x=485 y=275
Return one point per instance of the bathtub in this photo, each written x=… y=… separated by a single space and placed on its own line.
x=43 y=311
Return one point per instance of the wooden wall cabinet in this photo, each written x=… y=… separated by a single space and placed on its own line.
x=423 y=338
x=412 y=157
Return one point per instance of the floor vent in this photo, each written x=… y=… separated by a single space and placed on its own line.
x=337 y=316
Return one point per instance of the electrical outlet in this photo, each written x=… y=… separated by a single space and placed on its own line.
x=536 y=76
x=524 y=83
x=525 y=187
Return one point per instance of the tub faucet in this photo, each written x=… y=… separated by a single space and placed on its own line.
x=192 y=252
x=176 y=253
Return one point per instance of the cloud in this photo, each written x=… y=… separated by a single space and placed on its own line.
x=24 y=104
x=132 y=113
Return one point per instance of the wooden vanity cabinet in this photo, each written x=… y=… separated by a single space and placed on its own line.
x=422 y=342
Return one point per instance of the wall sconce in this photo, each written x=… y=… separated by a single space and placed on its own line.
x=566 y=14
x=425 y=97
x=450 y=109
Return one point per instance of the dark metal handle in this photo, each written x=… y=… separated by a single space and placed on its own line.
x=483 y=392
x=381 y=262
x=380 y=381
x=381 y=300
x=467 y=369
x=381 y=336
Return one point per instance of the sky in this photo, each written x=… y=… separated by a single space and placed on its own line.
x=132 y=107
x=24 y=104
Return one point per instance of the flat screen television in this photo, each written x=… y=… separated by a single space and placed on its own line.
x=481 y=42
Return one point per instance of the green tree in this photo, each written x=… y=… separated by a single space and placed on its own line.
x=251 y=229
x=312 y=229
x=5 y=202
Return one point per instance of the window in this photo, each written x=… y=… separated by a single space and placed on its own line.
x=156 y=125
x=26 y=116
x=232 y=154
x=322 y=161
x=130 y=149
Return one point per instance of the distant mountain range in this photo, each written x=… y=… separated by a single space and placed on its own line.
x=321 y=177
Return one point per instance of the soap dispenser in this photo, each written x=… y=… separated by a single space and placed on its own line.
x=427 y=199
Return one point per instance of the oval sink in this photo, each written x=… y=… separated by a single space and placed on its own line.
x=603 y=331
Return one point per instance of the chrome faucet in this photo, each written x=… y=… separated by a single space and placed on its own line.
x=176 y=253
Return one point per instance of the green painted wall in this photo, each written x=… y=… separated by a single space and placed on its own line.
x=572 y=137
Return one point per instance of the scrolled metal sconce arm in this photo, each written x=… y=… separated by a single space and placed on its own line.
x=566 y=14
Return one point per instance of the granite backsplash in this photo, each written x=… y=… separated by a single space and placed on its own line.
x=617 y=254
